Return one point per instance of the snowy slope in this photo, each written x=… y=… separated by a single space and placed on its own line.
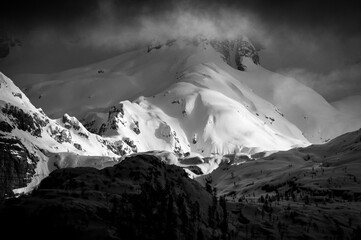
x=47 y=143
x=182 y=99
x=309 y=111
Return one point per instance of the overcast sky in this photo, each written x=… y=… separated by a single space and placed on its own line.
x=318 y=42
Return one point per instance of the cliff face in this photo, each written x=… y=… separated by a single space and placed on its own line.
x=17 y=165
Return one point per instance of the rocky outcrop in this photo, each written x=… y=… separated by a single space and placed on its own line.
x=135 y=127
x=117 y=147
x=131 y=144
x=70 y=122
x=232 y=50
x=115 y=115
x=78 y=146
x=60 y=135
x=17 y=165
x=235 y=50
x=29 y=122
x=5 y=127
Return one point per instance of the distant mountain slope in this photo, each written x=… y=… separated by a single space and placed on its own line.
x=323 y=170
x=301 y=105
x=350 y=105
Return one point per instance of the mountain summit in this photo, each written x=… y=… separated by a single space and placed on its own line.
x=233 y=50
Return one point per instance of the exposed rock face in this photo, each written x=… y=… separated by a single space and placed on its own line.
x=5 y=127
x=135 y=127
x=78 y=146
x=234 y=51
x=114 y=116
x=70 y=122
x=60 y=135
x=131 y=144
x=118 y=147
x=31 y=123
x=139 y=198
x=17 y=165
x=114 y=121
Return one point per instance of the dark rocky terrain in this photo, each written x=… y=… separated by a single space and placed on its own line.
x=145 y=198
x=16 y=166
x=140 y=198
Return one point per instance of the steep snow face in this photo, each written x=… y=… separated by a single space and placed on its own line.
x=220 y=115
x=46 y=144
x=309 y=111
x=207 y=111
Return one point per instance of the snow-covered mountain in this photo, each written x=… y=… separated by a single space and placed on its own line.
x=184 y=97
x=188 y=97
x=32 y=145
x=180 y=70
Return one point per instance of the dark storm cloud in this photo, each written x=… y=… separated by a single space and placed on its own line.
x=73 y=15
x=310 y=38
x=339 y=17
x=333 y=85
x=89 y=30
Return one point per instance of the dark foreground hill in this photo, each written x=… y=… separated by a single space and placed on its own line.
x=145 y=198
x=140 y=198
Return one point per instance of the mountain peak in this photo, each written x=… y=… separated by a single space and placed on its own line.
x=233 y=50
